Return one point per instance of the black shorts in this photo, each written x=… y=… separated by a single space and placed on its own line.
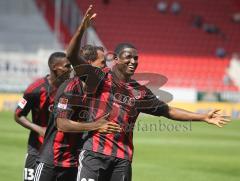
x=45 y=172
x=30 y=164
x=98 y=167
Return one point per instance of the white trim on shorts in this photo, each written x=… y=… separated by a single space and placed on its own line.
x=38 y=171
x=81 y=157
x=25 y=160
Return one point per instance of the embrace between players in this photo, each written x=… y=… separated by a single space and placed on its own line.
x=80 y=128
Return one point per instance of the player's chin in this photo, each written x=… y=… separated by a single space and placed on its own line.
x=130 y=72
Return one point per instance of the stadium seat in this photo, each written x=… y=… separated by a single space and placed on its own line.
x=169 y=44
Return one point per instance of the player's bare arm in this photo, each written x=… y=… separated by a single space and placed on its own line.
x=26 y=123
x=74 y=45
x=101 y=125
x=212 y=117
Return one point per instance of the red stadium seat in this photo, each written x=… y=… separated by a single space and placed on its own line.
x=169 y=44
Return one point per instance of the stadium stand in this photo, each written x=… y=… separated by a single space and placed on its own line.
x=25 y=43
x=23 y=28
x=169 y=44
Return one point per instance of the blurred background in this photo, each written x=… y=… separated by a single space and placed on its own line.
x=194 y=43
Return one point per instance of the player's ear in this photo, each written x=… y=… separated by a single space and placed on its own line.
x=115 y=58
x=54 y=69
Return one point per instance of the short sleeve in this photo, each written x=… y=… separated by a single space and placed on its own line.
x=69 y=99
x=26 y=103
x=151 y=104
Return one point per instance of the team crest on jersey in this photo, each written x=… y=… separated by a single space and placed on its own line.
x=62 y=103
x=22 y=103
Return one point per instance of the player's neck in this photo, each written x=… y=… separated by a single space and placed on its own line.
x=119 y=75
x=52 y=80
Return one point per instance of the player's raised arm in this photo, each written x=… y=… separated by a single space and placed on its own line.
x=177 y=114
x=212 y=117
x=74 y=45
x=152 y=105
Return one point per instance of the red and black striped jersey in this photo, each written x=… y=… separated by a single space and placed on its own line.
x=124 y=101
x=38 y=98
x=60 y=148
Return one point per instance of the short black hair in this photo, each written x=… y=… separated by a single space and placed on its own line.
x=54 y=57
x=89 y=52
x=119 y=48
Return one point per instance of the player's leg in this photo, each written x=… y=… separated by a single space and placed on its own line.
x=30 y=164
x=92 y=166
x=44 y=172
x=69 y=174
x=122 y=170
x=86 y=170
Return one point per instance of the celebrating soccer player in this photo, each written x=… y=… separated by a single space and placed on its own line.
x=107 y=157
x=64 y=135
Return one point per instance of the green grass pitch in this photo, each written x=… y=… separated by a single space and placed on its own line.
x=164 y=150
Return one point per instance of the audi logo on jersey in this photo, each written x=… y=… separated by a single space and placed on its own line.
x=124 y=99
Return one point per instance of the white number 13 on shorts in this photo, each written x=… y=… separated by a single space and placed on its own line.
x=83 y=179
x=28 y=174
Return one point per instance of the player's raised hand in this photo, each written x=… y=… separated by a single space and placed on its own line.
x=88 y=17
x=107 y=127
x=217 y=118
x=75 y=42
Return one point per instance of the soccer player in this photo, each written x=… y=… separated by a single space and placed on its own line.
x=38 y=98
x=107 y=157
x=64 y=135
x=94 y=55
